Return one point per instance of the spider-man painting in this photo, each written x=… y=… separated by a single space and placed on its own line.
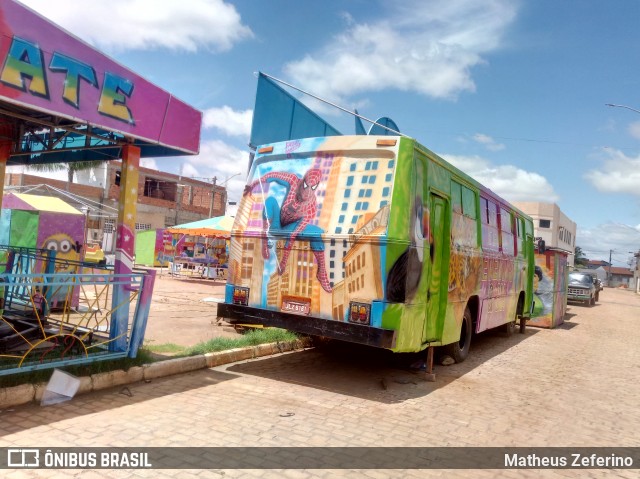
x=293 y=218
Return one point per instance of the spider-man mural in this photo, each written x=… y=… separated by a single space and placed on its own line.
x=293 y=218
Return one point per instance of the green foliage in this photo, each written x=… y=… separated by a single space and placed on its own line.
x=70 y=168
x=580 y=259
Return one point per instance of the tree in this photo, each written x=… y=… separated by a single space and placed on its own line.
x=580 y=259
x=70 y=168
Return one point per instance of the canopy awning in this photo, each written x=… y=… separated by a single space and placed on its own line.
x=218 y=227
x=61 y=100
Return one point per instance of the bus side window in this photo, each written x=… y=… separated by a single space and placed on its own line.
x=470 y=216
x=463 y=206
x=520 y=235
x=468 y=203
x=456 y=197
x=490 y=232
x=506 y=226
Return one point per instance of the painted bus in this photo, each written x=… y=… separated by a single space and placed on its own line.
x=376 y=240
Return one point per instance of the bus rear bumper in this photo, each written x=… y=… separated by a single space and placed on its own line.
x=354 y=333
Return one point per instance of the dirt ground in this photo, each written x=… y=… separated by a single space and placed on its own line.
x=183 y=311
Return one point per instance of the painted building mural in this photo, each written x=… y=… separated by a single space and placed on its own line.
x=302 y=218
x=340 y=229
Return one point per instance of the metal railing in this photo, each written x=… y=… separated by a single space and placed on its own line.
x=56 y=312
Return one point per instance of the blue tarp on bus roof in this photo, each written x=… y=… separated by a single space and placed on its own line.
x=278 y=116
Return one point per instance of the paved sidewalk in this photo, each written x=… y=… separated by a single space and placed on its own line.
x=573 y=386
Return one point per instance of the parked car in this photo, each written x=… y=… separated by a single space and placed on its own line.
x=582 y=287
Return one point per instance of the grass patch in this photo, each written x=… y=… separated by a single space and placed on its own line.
x=166 y=348
x=33 y=377
x=147 y=355
x=251 y=338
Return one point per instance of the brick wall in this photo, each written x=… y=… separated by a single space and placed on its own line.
x=197 y=206
x=200 y=192
x=20 y=179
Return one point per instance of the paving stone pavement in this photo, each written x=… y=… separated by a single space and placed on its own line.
x=573 y=386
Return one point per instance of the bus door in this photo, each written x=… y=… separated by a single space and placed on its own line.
x=437 y=272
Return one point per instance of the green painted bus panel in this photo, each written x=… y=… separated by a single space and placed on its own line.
x=394 y=315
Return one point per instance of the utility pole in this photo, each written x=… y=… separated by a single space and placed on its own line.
x=178 y=201
x=609 y=275
x=213 y=195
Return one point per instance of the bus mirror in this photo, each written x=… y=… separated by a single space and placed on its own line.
x=541 y=246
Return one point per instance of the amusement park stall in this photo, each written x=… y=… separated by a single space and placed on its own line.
x=43 y=222
x=46 y=223
x=201 y=248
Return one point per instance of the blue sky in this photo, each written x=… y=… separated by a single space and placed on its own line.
x=513 y=92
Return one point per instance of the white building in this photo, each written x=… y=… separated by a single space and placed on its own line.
x=552 y=226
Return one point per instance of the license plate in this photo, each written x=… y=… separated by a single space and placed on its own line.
x=296 y=307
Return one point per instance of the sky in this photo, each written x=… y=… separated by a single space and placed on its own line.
x=513 y=92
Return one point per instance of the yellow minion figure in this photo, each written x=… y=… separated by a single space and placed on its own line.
x=65 y=247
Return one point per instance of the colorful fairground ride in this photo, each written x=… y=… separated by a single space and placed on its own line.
x=56 y=312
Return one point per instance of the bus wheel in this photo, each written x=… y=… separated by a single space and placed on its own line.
x=460 y=350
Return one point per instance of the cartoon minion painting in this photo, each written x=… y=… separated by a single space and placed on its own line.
x=65 y=247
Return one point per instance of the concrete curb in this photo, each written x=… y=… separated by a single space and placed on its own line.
x=26 y=393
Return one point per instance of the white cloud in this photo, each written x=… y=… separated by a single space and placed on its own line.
x=596 y=242
x=508 y=181
x=423 y=47
x=229 y=121
x=221 y=160
x=149 y=163
x=186 y=25
x=189 y=170
x=619 y=174
x=488 y=142
x=634 y=129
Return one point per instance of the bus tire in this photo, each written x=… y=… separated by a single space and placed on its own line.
x=460 y=350
x=510 y=328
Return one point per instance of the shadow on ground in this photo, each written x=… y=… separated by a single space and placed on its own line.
x=371 y=373
x=108 y=399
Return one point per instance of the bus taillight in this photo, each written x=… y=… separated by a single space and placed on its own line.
x=240 y=295
x=359 y=313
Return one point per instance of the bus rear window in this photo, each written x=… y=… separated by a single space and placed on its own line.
x=339 y=190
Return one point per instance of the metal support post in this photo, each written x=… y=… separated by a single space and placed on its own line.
x=125 y=242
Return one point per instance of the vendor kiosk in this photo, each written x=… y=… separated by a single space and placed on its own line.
x=200 y=257
x=550 y=288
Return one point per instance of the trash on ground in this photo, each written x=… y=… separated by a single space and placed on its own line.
x=61 y=387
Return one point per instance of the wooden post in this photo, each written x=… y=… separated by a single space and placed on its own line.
x=429 y=375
